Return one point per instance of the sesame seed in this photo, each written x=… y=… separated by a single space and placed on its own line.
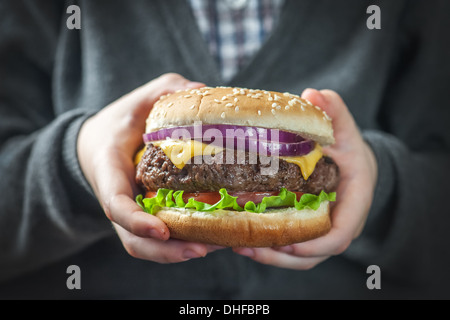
x=273 y=111
x=236 y=109
x=259 y=112
x=287 y=94
x=235 y=99
x=224 y=97
x=270 y=99
x=222 y=115
x=170 y=104
x=303 y=108
x=276 y=98
x=217 y=100
x=187 y=96
x=274 y=105
x=287 y=107
x=229 y=105
x=326 y=116
x=192 y=107
x=278 y=107
x=291 y=102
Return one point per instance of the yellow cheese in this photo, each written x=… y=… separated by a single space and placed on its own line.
x=138 y=156
x=307 y=163
x=180 y=152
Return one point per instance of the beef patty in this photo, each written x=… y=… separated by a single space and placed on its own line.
x=155 y=171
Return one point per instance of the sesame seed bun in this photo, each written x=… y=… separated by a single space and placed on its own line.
x=276 y=227
x=245 y=107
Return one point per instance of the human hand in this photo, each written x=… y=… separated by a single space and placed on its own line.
x=358 y=171
x=106 y=146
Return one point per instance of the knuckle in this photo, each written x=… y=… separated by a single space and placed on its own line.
x=264 y=257
x=130 y=247
x=170 y=258
x=171 y=76
x=307 y=265
x=342 y=247
x=304 y=251
x=106 y=205
x=135 y=226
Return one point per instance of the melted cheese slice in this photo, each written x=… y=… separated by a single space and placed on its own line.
x=307 y=163
x=181 y=152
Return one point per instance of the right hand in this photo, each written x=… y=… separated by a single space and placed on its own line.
x=107 y=144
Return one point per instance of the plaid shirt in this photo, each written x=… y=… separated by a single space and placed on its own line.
x=235 y=29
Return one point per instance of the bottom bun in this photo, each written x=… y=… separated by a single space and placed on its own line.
x=275 y=227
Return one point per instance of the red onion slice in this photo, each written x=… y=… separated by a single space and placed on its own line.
x=244 y=132
x=267 y=148
x=250 y=139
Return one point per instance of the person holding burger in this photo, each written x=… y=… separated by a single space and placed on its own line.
x=147 y=237
x=90 y=175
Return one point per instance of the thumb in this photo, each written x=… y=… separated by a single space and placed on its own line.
x=344 y=126
x=145 y=96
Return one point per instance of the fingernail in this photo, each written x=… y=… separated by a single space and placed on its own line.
x=153 y=233
x=248 y=252
x=190 y=254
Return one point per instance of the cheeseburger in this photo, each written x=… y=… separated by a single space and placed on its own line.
x=238 y=167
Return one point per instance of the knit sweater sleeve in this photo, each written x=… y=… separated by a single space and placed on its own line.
x=47 y=210
x=407 y=229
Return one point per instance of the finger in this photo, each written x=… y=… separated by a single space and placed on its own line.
x=116 y=194
x=280 y=259
x=130 y=111
x=345 y=226
x=170 y=251
x=330 y=102
x=146 y=95
x=344 y=125
x=212 y=248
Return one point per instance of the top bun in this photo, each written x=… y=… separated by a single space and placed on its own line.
x=244 y=107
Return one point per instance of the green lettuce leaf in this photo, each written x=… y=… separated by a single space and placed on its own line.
x=169 y=198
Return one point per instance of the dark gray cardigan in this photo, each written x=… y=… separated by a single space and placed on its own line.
x=395 y=81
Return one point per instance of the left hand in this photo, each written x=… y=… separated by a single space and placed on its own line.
x=358 y=171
